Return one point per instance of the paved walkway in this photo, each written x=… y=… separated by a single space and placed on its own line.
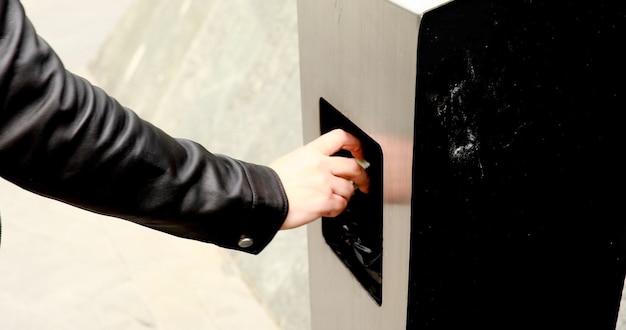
x=65 y=268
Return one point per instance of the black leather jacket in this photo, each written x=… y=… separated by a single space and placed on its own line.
x=63 y=138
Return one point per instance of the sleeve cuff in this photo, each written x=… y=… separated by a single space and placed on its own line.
x=268 y=212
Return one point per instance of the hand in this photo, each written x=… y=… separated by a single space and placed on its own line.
x=318 y=184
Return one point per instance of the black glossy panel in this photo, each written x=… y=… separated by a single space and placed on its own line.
x=517 y=205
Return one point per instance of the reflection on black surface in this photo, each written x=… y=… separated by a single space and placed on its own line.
x=514 y=207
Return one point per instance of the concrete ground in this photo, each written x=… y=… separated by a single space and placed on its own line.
x=224 y=73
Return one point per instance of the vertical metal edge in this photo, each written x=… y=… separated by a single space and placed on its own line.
x=362 y=58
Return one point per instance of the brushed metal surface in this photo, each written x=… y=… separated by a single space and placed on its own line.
x=361 y=57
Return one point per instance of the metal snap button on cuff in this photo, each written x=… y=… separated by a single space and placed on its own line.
x=245 y=242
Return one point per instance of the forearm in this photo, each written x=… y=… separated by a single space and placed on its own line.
x=64 y=138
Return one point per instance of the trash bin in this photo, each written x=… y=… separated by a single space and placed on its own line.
x=492 y=130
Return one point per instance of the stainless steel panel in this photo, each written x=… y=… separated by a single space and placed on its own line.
x=361 y=56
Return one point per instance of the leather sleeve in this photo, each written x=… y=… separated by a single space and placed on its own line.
x=63 y=138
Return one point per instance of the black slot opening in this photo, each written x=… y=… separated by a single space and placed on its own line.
x=356 y=235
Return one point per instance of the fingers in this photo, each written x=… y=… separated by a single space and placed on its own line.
x=349 y=169
x=337 y=205
x=336 y=140
x=318 y=184
x=346 y=168
x=343 y=188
